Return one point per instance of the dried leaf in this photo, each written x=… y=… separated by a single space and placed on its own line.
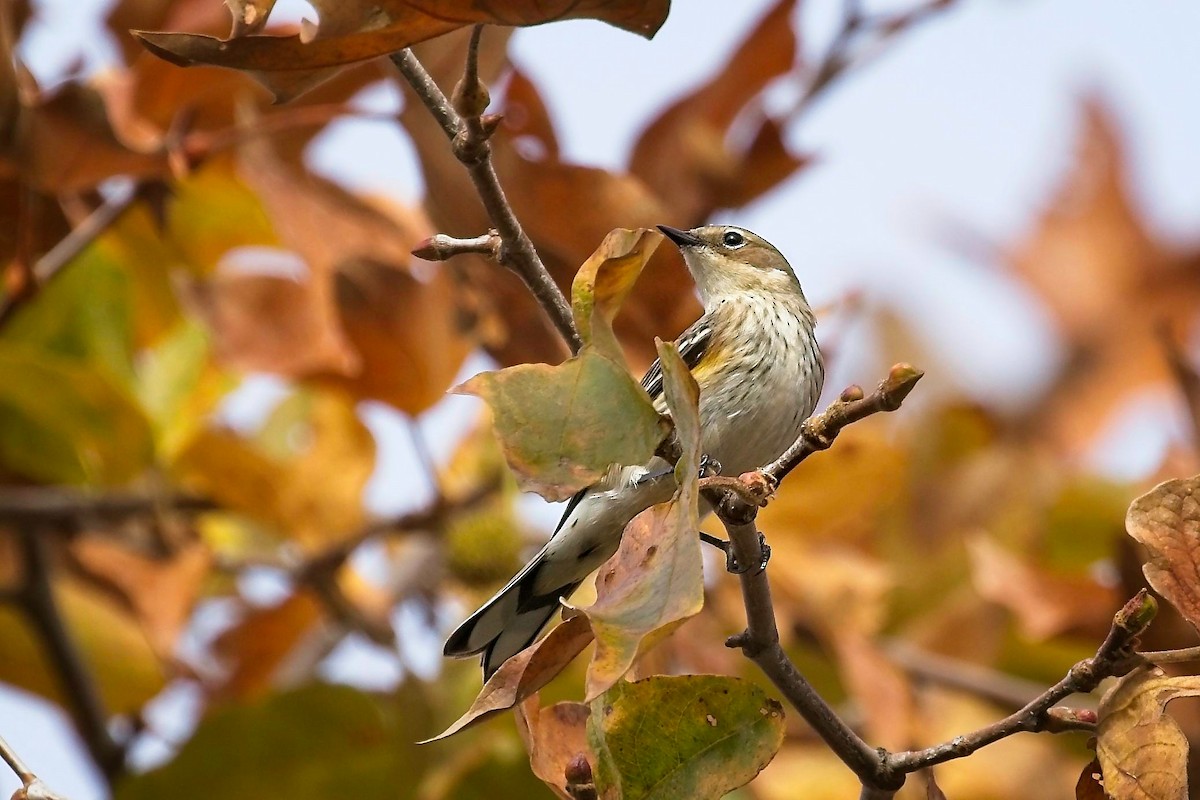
x=1167 y=521
x=403 y=331
x=353 y=32
x=523 y=674
x=554 y=735
x=1045 y=604
x=1141 y=751
x=656 y=579
x=605 y=280
x=160 y=592
x=562 y=427
x=1091 y=782
x=686 y=156
x=260 y=648
x=693 y=736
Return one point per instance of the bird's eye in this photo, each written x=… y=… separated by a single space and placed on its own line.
x=733 y=239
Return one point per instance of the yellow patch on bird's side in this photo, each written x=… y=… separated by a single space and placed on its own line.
x=715 y=358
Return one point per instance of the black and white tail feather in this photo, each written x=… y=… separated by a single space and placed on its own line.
x=513 y=618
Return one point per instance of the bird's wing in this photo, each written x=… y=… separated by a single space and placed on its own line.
x=692 y=345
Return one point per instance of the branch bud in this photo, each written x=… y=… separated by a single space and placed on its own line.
x=851 y=393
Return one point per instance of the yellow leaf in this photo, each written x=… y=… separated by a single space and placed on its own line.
x=1142 y=752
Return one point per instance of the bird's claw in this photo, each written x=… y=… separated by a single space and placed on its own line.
x=731 y=563
x=709 y=466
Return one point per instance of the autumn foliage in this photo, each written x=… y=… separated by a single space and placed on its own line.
x=168 y=252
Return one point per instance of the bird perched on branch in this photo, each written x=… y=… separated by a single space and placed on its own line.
x=756 y=361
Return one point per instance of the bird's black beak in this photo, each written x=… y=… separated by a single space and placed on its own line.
x=680 y=238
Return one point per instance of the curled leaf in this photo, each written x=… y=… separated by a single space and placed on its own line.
x=1142 y=752
x=1167 y=521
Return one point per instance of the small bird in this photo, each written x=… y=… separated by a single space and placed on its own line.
x=755 y=359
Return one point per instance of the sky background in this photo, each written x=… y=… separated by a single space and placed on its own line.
x=966 y=122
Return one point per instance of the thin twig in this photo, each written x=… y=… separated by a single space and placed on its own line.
x=1114 y=657
x=45 y=504
x=858 y=40
x=820 y=431
x=1186 y=377
x=69 y=247
x=469 y=139
x=32 y=787
x=36 y=599
x=957 y=674
x=1181 y=656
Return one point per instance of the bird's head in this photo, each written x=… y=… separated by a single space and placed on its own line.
x=726 y=261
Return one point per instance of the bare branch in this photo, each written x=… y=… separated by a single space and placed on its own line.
x=820 y=431
x=1114 y=657
x=858 y=40
x=36 y=598
x=989 y=684
x=21 y=505
x=1181 y=656
x=469 y=139
x=69 y=247
x=32 y=787
x=760 y=643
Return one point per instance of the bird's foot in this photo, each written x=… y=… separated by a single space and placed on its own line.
x=709 y=466
x=731 y=563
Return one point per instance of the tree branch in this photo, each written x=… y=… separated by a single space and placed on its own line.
x=819 y=432
x=468 y=131
x=55 y=504
x=71 y=245
x=883 y=773
x=36 y=599
x=32 y=787
x=1114 y=657
x=760 y=643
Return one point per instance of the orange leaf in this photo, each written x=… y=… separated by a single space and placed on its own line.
x=1167 y=521
x=525 y=673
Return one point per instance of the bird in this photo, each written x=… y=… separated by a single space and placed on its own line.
x=755 y=358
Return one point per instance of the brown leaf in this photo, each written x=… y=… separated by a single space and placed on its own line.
x=1141 y=751
x=554 y=735
x=1044 y=603
x=686 y=156
x=160 y=592
x=1108 y=282
x=880 y=689
x=1091 y=782
x=404 y=333
x=1167 y=521
x=526 y=672
x=258 y=649
x=351 y=32
x=273 y=324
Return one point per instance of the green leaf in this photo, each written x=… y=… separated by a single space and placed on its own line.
x=84 y=314
x=66 y=422
x=656 y=580
x=693 y=736
x=561 y=427
x=319 y=742
x=212 y=212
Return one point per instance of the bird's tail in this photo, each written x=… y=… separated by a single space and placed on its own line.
x=510 y=621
